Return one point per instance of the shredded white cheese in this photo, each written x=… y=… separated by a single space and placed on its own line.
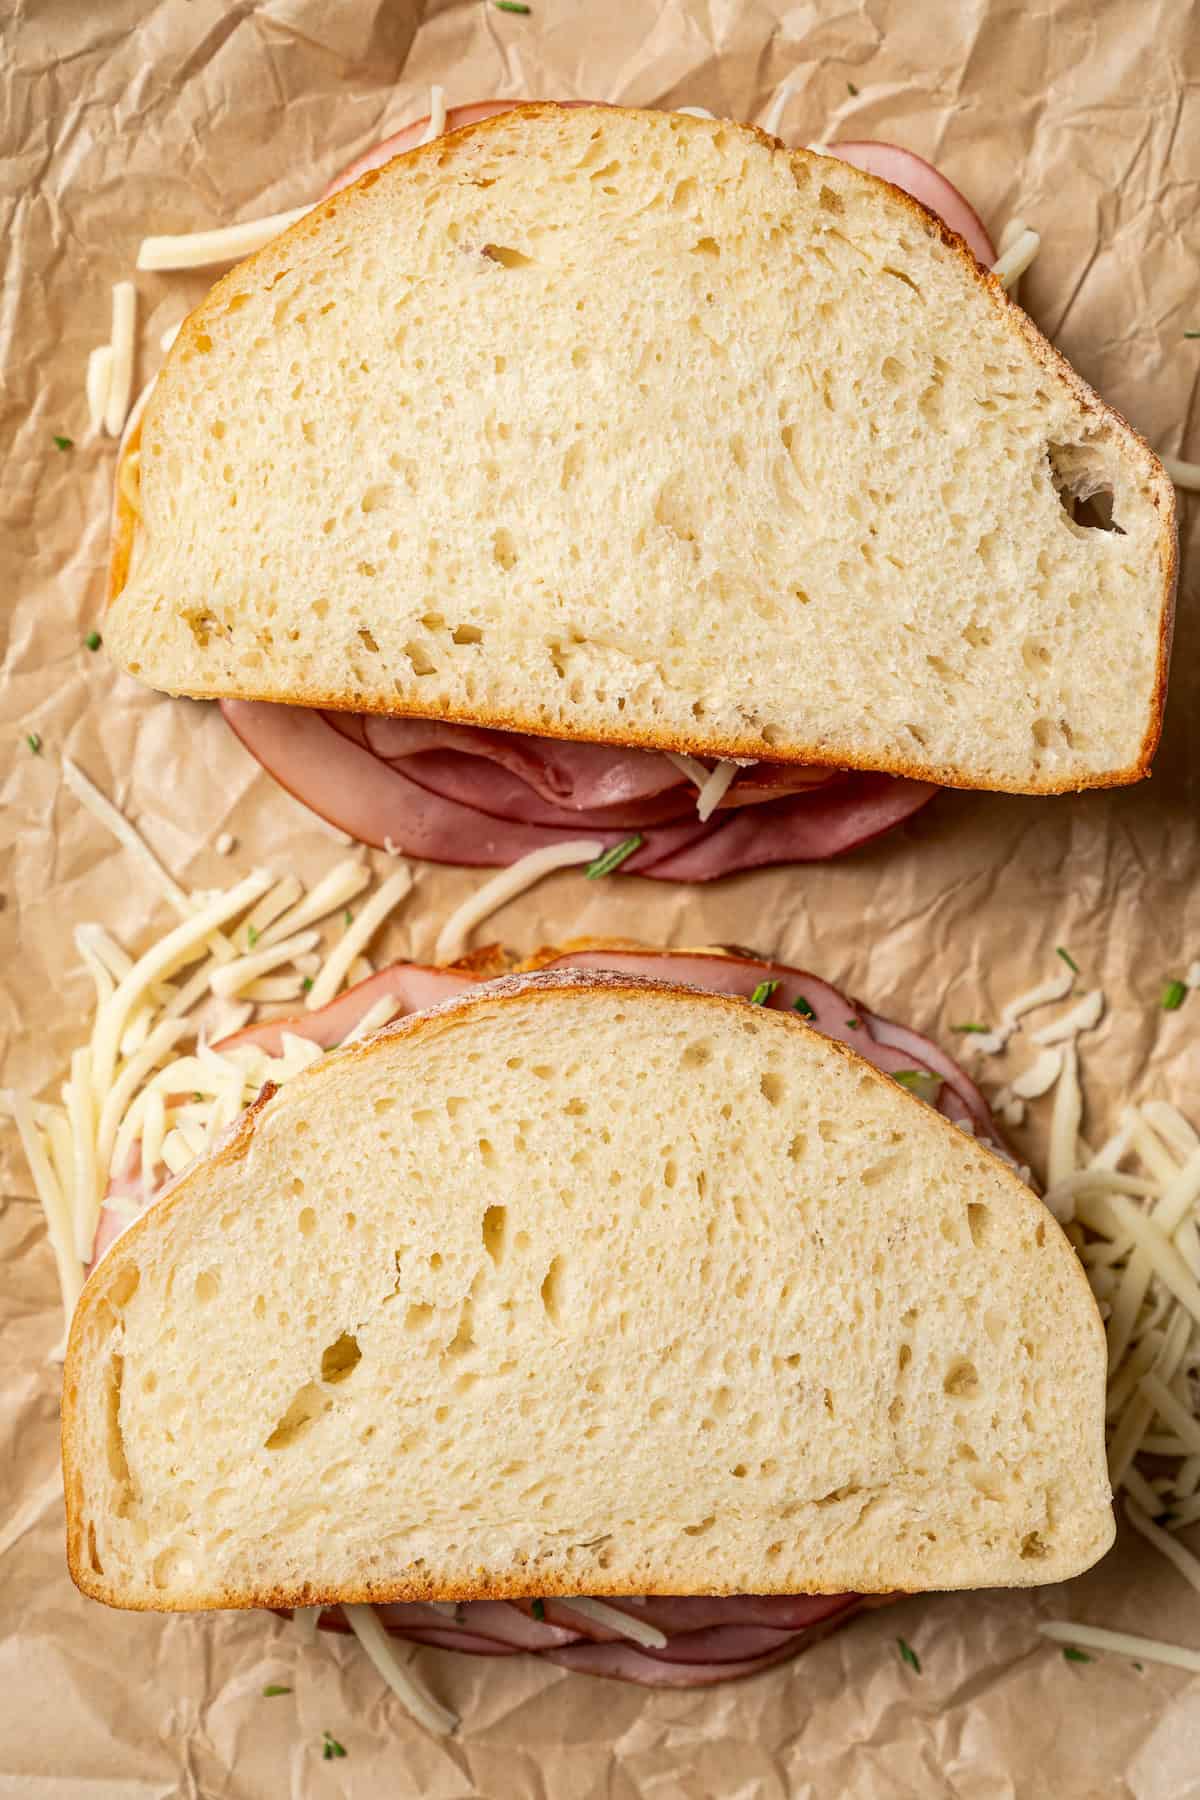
x=235 y=977
x=1016 y=256
x=228 y=243
x=365 y=1623
x=1184 y=475
x=715 y=789
x=691 y=766
x=98 y=384
x=375 y=1018
x=452 y=939
x=358 y=935
x=437 y=115
x=120 y=374
x=773 y=117
x=1122 y=1643
x=1064 y=1124
x=695 y=112
x=342 y=884
x=613 y=1619
x=1083 y=1016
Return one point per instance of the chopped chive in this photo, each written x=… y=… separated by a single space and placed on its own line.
x=538 y=1609
x=306 y=985
x=272 y=1689
x=1138 y=1666
x=34 y=742
x=1174 y=995
x=347 y=918
x=908 y=1655
x=763 y=992
x=63 y=443
x=853 y=1024
x=513 y=6
x=330 y=1747
x=851 y=89
x=1071 y=1654
x=1187 y=334
x=612 y=859
x=1068 y=959
x=800 y=1005
x=93 y=640
x=971 y=1026
x=197 y=1096
x=919 y=1082
x=251 y=935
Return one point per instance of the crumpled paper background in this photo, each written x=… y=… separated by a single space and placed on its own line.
x=129 y=118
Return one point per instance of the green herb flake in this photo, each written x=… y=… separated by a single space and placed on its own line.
x=306 y=985
x=34 y=742
x=1071 y=1654
x=1174 y=995
x=273 y=1689
x=330 y=1748
x=63 y=443
x=251 y=935
x=513 y=6
x=1187 y=334
x=197 y=1096
x=801 y=1005
x=920 y=1082
x=763 y=992
x=853 y=1024
x=908 y=1655
x=612 y=859
x=852 y=90
x=970 y=1026
x=1139 y=1666
x=347 y=918
x=538 y=1609
x=93 y=640
x=1068 y=959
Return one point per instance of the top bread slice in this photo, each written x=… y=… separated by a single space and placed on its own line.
x=585 y=1284
x=640 y=428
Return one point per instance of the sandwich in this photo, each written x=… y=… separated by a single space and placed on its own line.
x=646 y=1325
x=585 y=461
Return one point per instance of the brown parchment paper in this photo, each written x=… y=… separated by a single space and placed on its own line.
x=126 y=117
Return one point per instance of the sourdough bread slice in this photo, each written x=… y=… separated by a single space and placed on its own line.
x=640 y=428
x=585 y=1285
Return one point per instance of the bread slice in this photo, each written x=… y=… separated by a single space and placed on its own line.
x=640 y=428
x=585 y=1284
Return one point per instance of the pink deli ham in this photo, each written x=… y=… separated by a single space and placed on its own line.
x=483 y=807
x=483 y=798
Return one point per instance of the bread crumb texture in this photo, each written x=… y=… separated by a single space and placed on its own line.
x=637 y=427
x=586 y=1287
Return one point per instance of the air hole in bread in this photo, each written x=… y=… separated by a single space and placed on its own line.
x=552 y=1289
x=419 y=657
x=979 y=1223
x=771 y=1086
x=308 y=1405
x=1034 y=1547
x=904 y=1357
x=306 y=1224
x=508 y=257
x=208 y=1286
x=495 y=1222
x=417 y=1316
x=696 y=1055
x=1084 y=493
x=961 y=1380
x=340 y=1359
x=706 y=246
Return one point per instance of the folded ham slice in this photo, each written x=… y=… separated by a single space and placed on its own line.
x=458 y=794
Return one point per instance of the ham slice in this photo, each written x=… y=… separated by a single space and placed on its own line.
x=905 y=170
x=508 y=794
